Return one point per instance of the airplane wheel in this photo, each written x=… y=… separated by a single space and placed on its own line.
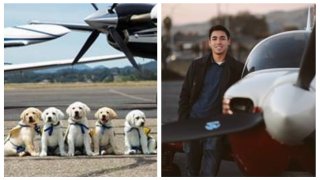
x=169 y=169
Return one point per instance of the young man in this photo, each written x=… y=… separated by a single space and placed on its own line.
x=201 y=97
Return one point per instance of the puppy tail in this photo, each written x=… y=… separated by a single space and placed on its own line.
x=66 y=134
x=92 y=132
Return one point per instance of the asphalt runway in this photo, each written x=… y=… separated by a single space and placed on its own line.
x=170 y=99
x=122 y=99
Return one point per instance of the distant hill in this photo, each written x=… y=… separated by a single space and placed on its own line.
x=277 y=21
x=55 y=69
x=84 y=73
x=152 y=66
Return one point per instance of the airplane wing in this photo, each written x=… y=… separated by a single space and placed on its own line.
x=216 y=126
x=32 y=34
x=57 y=63
x=72 y=26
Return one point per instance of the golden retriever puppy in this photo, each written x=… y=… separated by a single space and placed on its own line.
x=77 y=135
x=136 y=135
x=103 y=135
x=52 y=136
x=20 y=140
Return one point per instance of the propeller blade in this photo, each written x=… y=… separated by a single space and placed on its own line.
x=219 y=125
x=117 y=38
x=308 y=64
x=95 y=6
x=114 y=5
x=93 y=36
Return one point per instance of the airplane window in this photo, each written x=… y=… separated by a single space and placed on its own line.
x=283 y=50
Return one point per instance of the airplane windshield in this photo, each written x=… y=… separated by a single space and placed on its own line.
x=284 y=50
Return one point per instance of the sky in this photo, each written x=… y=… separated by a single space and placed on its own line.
x=193 y=13
x=64 y=47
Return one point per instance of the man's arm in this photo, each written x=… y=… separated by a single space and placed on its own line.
x=185 y=94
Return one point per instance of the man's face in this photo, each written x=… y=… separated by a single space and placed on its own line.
x=219 y=42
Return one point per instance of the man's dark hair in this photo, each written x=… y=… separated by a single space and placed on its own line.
x=219 y=28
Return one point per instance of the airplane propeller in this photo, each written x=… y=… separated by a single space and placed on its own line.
x=308 y=64
x=95 y=6
x=291 y=120
x=98 y=21
x=93 y=36
x=117 y=38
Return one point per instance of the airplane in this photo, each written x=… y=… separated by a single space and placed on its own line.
x=268 y=115
x=31 y=34
x=130 y=28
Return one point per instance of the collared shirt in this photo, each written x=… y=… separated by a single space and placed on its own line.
x=208 y=102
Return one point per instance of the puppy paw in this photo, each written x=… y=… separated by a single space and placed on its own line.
x=104 y=152
x=34 y=154
x=153 y=152
x=95 y=154
x=70 y=154
x=21 y=154
x=90 y=153
x=63 y=153
x=117 y=152
x=131 y=151
x=43 y=153
x=147 y=153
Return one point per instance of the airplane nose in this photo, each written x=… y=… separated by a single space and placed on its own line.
x=101 y=20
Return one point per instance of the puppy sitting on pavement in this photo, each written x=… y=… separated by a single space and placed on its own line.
x=103 y=135
x=52 y=142
x=77 y=134
x=137 y=138
x=20 y=140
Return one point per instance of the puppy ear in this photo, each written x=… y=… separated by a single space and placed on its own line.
x=113 y=114
x=68 y=111
x=39 y=114
x=129 y=118
x=86 y=108
x=60 y=114
x=23 y=114
x=96 y=115
x=43 y=116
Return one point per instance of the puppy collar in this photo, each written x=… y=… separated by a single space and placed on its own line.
x=82 y=126
x=36 y=127
x=24 y=125
x=104 y=127
x=50 y=128
x=134 y=128
x=19 y=149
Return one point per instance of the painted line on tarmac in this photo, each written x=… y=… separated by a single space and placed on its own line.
x=131 y=96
